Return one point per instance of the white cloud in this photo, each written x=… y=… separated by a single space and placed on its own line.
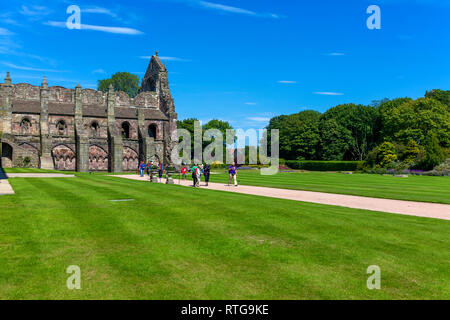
x=230 y=9
x=99 y=10
x=115 y=30
x=287 y=81
x=100 y=71
x=259 y=119
x=167 y=58
x=5 y=32
x=34 y=11
x=13 y=66
x=251 y=103
x=336 y=54
x=329 y=93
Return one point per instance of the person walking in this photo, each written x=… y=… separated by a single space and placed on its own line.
x=160 y=171
x=184 y=172
x=194 y=174
x=232 y=171
x=142 y=168
x=206 y=173
x=149 y=168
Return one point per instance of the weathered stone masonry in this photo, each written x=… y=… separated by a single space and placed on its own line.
x=87 y=130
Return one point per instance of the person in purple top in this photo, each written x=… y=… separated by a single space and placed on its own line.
x=232 y=171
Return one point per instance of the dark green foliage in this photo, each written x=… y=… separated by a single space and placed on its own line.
x=323 y=165
x=121 y=81
x=353 y=132
x=440 y=95
x=434 y=155
x=299 y=134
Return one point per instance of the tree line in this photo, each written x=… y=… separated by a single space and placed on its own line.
x=398 y=133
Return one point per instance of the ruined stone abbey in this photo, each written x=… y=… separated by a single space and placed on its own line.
x=87 y=130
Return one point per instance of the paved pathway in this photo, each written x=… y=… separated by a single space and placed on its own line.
x=5 y=187
x=421 y=209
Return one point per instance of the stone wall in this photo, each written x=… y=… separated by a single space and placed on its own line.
x=84 y=129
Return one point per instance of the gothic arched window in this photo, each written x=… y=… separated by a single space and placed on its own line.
x=125 y=130
x=61 y=127
x=152 y=129
x=95 y=127
x=25 y=125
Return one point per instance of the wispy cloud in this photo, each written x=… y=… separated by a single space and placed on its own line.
x=99 y=71
x=14 y=66
x=167 y=58
x=335 y=54
x=329 y=93
x=116 y=30
x=235 y=10
x=5 y=32
x=287 y=82
x=99 y=10
x=6 y=18
x=34 y=11
x=251 y=103
x=259 y=119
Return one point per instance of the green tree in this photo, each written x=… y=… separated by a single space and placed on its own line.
x=188 y=124
x=434 y=155
x=442 y=96
x=386 y=154
x=299 y=134
x=411 y=152
x=121 y=81
x=417 y=120
x=348 y=132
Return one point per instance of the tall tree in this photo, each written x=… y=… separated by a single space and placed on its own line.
x=417 y=120
x=442 y=96
x=121 y=81
x=348 y=132
x=299 y=134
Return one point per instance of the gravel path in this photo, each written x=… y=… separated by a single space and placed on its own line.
x=420 y=209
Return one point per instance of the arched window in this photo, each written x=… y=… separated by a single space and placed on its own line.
x=94 y=128
x=25 y=125
x=152 y=129
x=61 y=127
x=125 y=130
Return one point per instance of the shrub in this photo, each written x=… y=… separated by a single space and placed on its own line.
x=386 y=154
x=324 y=165
x=434 y=155
x=26 y=162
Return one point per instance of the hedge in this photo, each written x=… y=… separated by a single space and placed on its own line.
x=323 y=165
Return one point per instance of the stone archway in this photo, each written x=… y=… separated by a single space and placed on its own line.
x=98 y=159
x=7 y=155
x=130 y=160
x=64 y=158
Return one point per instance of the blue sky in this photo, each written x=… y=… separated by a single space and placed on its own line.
x=242 y=61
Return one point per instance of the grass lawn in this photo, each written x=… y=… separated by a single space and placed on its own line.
x=174 y=242
x=413 y=188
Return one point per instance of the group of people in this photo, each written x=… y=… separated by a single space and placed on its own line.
x=197 y=171
x=149 y=167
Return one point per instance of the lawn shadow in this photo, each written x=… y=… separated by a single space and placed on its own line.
x=3 y=175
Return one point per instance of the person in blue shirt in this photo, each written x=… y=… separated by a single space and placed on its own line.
x=142 y=168
x=160 y=170
x=232 y=171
